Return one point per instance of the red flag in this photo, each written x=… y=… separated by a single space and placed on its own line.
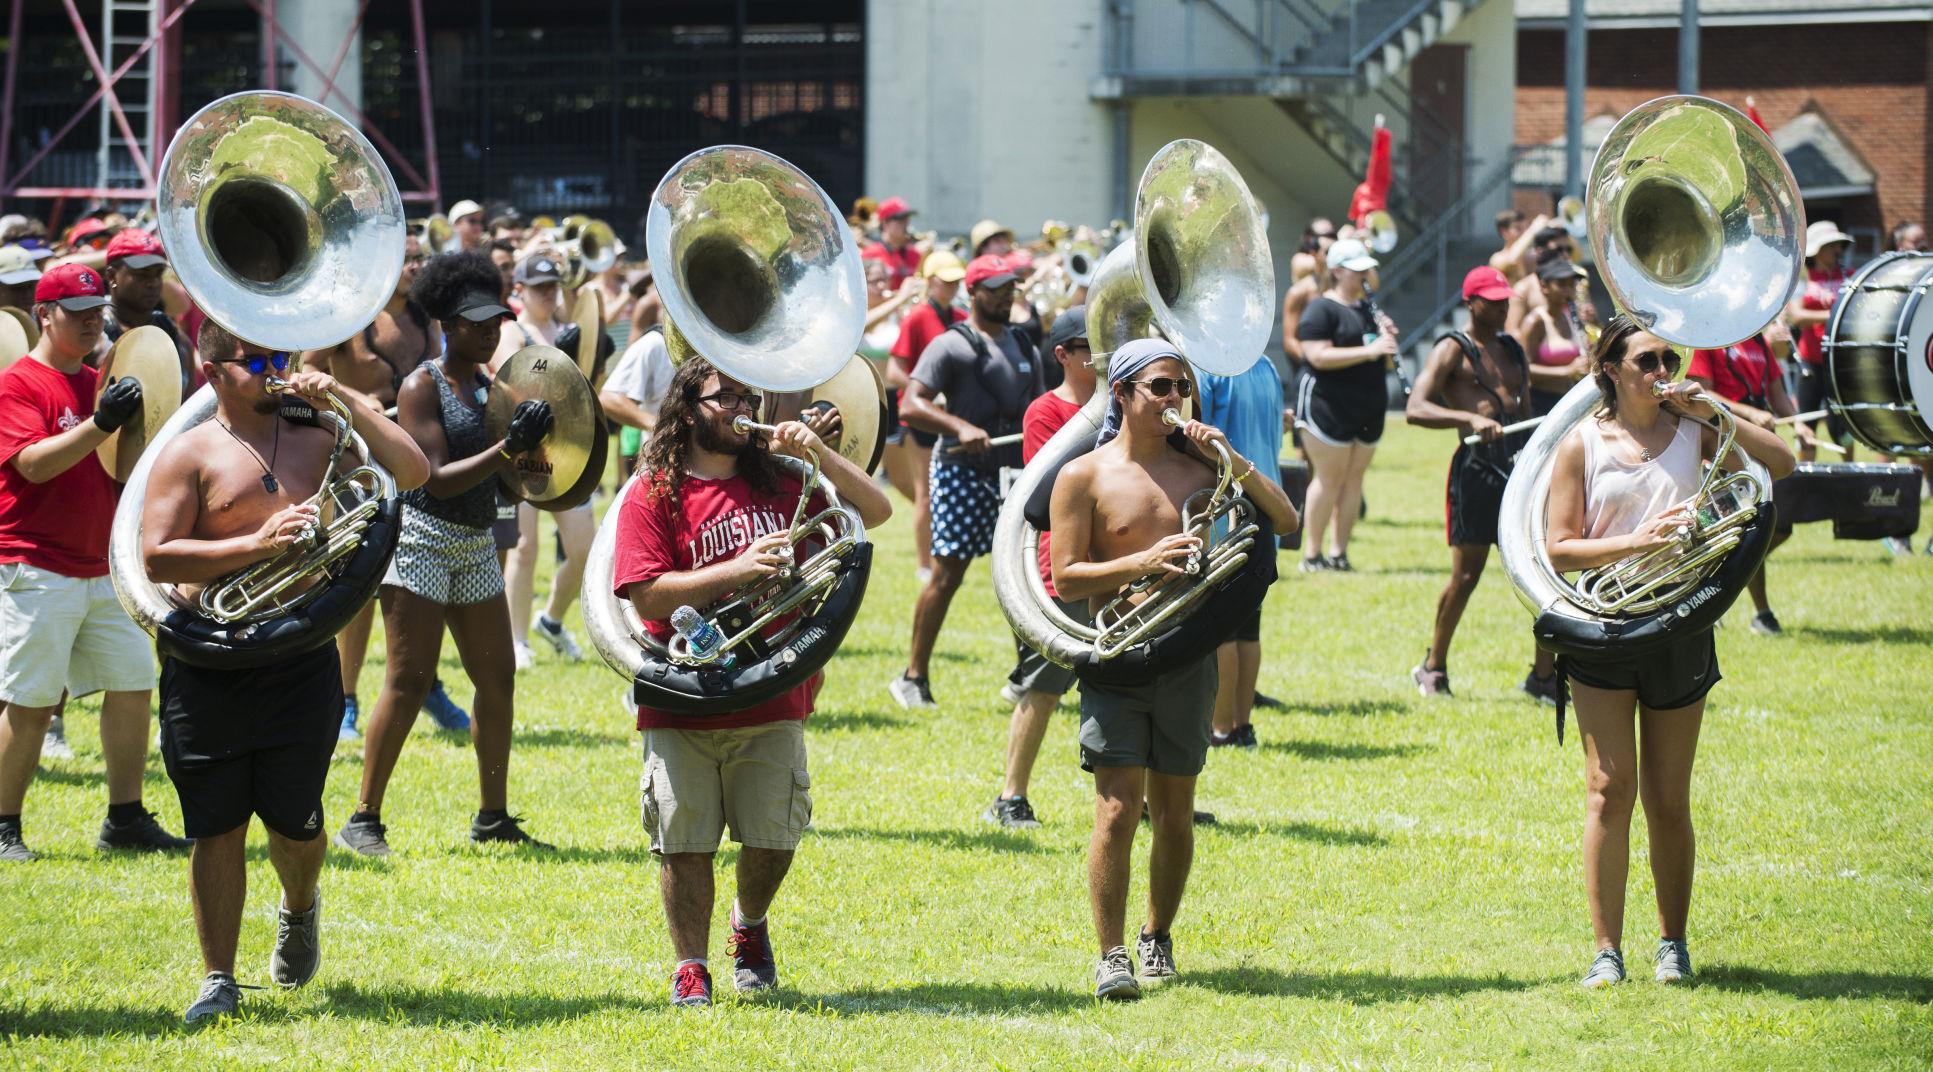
x=1751 y=112
x=1373 y=193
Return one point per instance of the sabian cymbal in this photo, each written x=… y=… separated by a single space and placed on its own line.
x=26 y=321
x=860 y=396
x=588 y=315
x=148 y=355
x=14 y=339
x=545 y=476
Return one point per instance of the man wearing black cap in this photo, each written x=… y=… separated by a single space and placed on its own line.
x=1035 y=686
x=988 y=375
x=66 y=633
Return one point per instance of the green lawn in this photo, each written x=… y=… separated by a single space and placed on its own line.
x=1393 y=883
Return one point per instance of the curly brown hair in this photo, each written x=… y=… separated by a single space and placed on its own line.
x=662 y=461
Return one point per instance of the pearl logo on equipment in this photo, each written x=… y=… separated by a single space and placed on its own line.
x=1876 y=497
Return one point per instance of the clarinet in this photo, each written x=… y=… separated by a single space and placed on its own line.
x=1385 y=325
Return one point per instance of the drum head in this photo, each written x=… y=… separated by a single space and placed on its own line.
x=1919 y=357
x=148 y=355
x=1877 y=353
x=552 y=470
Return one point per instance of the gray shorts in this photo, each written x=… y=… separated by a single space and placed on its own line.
x=1032 y=672
x=444 y=562
x=1162 y=726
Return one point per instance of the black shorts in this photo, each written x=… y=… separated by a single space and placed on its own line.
x=901 y=431
x=1250 y=630
x=1340 y=420
x=251 y=742
x=1473 y=498
x=1674 y=676
x=1812 y=393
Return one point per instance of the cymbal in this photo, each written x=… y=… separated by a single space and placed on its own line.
x=580 y=493
x=149 y=355
x=588 y=315
x=860 y=396
x=14 y=339
x=26 y=321
x=546 y=475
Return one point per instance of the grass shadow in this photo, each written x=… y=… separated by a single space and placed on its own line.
x=420 y=1007
x=993 y=839
x=1324 y=750
x=877 y=651
x=1351 y=708
x=856 y=720
x=942 y=999
x=127 y=1021
x=1884 y=634
x=1356 y=988
x=1321 y=835
x=1826 y=985
x=68 y=776
x=560 y=737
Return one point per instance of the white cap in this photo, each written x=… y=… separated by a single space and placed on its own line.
x=465 y=207
x=1351 y=254
x=1820 y=234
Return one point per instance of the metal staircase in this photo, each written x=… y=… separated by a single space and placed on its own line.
x=125 y=26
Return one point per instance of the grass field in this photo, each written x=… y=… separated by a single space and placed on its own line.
x=1393 y=883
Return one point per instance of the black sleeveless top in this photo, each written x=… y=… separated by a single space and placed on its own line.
x=463 y=430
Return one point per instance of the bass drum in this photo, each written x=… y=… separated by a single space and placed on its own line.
x=1879 y=354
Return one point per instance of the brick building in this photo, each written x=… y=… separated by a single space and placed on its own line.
x=1842 y=86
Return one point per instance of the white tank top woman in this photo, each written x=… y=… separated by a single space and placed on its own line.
x=1621 y=494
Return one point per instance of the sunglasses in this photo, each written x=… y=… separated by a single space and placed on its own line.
x=1650 y=361
x=734 y=400
x=258 y=363
x=1161 y=385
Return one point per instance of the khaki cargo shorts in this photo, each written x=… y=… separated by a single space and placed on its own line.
x=60 y=633
x=754 y=779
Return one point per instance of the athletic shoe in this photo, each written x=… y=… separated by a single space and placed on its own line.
x=443 y=710
x=506 y=829
x=220 y=997
x=1430 y=683
x=365 y=837
x=1765 y=623
x=298 y=947
x=691 y=986
x=923 y=575
x=54 y=746
x=13 y=849
x=1898 y=545
x=1269 y=703
x=1340 y=563
x=1542 y=689
x=1314 y=564
x=751 y=951
x=1606 y=968
x=1157 y=957
x=1010 y=694
x=143 y=835
x=558 y=637
x=1245 y=737
x=525 y=660
x=1114 y=977
x=912 y=691
x=1014 y=813
x=349 y=732
x=1218 y=740
x=1673 y=961
x=1202 y=818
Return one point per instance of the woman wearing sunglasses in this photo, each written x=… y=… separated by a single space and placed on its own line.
x=445 y=569
x=1618 y=487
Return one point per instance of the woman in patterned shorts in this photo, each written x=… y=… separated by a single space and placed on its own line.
x=445 y=569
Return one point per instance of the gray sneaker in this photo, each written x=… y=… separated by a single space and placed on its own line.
x=559 y=638
x=1114 y=977
x=1157 y=956
x=912 y=692
x=220 y=997
x=1673 y=961
x=298 y=946
x=1010 y=694
x=366 y=838
x=1014 y=813
x=54 y=746
x=13 y=849
x=1606 y=968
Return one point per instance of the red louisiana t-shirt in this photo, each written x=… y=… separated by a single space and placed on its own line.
x=1045 y=416
x=921 y=326
x=1821 y=290
x=1739 y=372
x=900 y=263
x=61 y=525
x=715 y=520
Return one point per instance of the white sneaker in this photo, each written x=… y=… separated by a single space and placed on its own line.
x=525 y=659
x=55 y=744
x=558 y=637
x=1010 y=694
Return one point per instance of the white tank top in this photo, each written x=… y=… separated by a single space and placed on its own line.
x=1620 y=496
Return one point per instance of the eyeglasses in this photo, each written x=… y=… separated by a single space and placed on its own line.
x=258 y=363
x=1161 y=385
x=733 y=400
x=1650 y=361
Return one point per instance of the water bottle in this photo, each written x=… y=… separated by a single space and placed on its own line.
x=701 y=636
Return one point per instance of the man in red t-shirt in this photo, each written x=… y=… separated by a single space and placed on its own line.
x=1748 y=375
x=920 y=326
x=65 y=633
x=895 y=246
x=1035 y=686
x=1826 y=247
x=709 y=515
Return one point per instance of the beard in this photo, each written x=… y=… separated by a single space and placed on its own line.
x=266 y=406
x=717 y=437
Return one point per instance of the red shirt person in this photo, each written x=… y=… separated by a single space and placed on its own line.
x=1826 y=247
x=709 y=515
x=67 y=634
x=895 y=246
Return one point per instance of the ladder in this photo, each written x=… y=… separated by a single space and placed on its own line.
x=125 y=26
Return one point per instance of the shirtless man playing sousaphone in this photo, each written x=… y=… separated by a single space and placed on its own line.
x=1116 y=519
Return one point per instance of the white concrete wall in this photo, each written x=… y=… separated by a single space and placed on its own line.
x=318 y=27
x=1490 y=89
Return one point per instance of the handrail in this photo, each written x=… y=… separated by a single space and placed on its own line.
x=1441 y=229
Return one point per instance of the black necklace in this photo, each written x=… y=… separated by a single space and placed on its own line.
x=269 y=483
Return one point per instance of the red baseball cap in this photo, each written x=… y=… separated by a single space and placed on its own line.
x=1487 y=283
x=893 y=208
x=137 y=248
x=989 y=271
x=76 y=287
x=85 y=229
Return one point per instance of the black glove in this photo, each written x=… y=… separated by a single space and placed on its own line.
x=529 y=424
x=117 y=403
x=567 y=341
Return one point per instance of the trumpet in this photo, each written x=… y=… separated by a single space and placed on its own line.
x=257 y=592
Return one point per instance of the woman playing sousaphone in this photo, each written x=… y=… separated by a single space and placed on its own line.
x=1618 y=487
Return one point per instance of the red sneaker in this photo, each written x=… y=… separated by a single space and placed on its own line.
x=691 y=986
x=751 y=952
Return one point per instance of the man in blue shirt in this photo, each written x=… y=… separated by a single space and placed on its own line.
x=1248 y=409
